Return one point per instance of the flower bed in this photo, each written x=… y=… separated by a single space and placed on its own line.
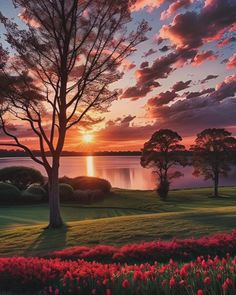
x=161 y=251
x=53 y=276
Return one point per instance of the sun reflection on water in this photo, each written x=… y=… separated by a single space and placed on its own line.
x=90 y=166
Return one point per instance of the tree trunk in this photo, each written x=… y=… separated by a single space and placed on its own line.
x=55 y=220
x=216 y=183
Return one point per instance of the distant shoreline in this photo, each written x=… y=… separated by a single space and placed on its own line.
x=21 y=154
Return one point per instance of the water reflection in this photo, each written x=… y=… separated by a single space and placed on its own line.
x=121 y=171
x=90 y=166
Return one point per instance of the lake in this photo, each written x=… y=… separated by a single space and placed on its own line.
x=121 y=171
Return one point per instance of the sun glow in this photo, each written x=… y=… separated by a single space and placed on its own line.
x=87 y=137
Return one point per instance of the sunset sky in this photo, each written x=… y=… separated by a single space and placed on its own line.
x=183 y=77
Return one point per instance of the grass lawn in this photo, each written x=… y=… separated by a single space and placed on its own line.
x=124 y=217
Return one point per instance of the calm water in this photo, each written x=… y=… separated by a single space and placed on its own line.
x=121 y=171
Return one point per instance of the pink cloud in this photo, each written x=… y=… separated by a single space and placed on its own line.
x=150 y=5
x=203 y=56
x=231 y=64
x=226 y=42
x=174 y=7
x=192 y=29
x=25 y=17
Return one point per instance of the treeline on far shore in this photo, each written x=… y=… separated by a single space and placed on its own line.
x=19 y=153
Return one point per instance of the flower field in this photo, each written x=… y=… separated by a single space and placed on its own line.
x=209 y=276
x=161 y=251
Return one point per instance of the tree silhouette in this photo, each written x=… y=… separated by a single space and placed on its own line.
x=212 y=154
x=162 y=152
x=60 y=71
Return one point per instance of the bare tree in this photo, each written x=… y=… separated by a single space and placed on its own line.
x=212 y=154
x=60 y=72
x=162 y=152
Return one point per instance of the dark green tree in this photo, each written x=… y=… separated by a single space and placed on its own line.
x=162 y=152
x=212 y=154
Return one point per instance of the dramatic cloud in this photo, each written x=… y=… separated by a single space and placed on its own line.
x=203 y=56
x=137 y=92
x=162 y=99
x=226 y=41
x=149 y=52
x=174 y=7
x=150 y=5
x=164 y=48
x=209 y=77
x=144 y=64
x=122 y=130
x=207 y=110
x=199 y=93
x=193 y=29
x=231 y=64
x=160 y=69
x=178 y=86
x=225 y=89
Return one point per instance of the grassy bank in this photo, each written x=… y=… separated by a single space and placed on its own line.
x=124 y=217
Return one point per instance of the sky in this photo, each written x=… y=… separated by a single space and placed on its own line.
x=183 y=77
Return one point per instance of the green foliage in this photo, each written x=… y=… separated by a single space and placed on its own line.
x=162 y=152
x=66 y=192
x=21 y=176
x=87 y=183
x=34 y=192
x=212 y=154
x=9 y=193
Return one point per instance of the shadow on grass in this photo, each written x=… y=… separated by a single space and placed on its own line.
x=49 y=239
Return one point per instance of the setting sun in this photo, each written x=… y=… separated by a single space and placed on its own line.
x=87 y=137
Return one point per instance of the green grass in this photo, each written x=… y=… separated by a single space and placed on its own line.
x=124 y=217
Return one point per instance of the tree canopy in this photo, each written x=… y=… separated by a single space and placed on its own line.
x=162 y=152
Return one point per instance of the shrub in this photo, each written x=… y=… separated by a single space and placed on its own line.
x=34 y=192
x=87 y=183
x=160 y=250
x=66 y=192
x=9 y=193
x=21 y=176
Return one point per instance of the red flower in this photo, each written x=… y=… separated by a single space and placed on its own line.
x=172 y=282
x=207 y=281
x=200 y=292
x=125 y=284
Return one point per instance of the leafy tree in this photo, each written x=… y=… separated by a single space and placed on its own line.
x=60 y=73
x=212 y=154
x=21 y=177
x=162 y=152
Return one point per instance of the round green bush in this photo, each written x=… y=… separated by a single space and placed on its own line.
x=88 y=183
x=9 y=193
x=66 y=192
x=34 y=192
x=21 y=176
